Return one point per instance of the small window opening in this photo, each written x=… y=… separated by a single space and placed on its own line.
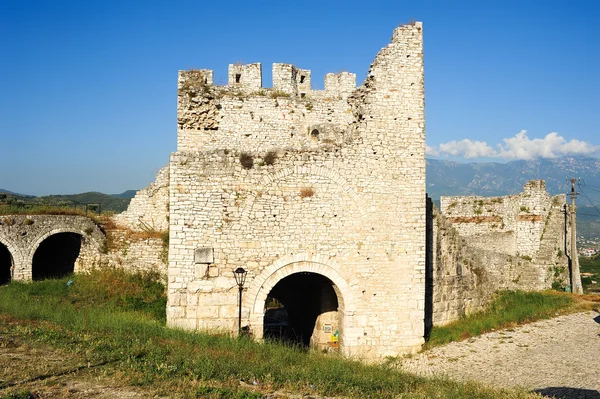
x=302 y=77
x=314 y=134
x=238 y=76
x=302 y=95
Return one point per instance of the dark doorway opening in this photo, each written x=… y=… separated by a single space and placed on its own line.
x=302 y=309
x=56 y=256
x=6 y=262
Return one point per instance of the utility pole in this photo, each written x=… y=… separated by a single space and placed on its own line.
x=575 y=274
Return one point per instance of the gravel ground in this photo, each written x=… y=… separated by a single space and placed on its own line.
x=558 y=358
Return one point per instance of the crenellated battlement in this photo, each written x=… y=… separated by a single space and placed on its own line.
x=243 y=114
x=287 y=78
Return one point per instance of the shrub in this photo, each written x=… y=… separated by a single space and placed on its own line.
x=246 y=160
x=270 y=158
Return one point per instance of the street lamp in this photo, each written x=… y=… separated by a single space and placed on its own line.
x=240 y=279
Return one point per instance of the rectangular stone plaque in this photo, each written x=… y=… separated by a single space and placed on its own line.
x=204 y=255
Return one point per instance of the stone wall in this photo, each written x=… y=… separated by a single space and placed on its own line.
x=23 y=234
x=291 y=180
x=481 y=245
x=510 y=224
x=135 y=251
x=149 y=209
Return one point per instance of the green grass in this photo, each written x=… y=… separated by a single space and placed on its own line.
x=508 y=308
x=590 y=265
x=112 y=316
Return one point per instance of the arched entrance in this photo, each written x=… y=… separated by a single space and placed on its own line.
x=302 y=309
x=6 y=264
x=55 y=256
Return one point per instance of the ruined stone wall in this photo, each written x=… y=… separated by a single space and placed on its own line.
x=510 y=224
x=134 y=252
x=23 y=234
x=102 y=245
x=292 y=180
x=149 y=209
x=481 y=245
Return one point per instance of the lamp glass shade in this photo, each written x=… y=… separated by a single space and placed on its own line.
x=240 y=276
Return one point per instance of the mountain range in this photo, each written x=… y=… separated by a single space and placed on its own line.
x=493 y=179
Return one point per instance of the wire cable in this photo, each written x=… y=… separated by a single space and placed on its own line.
x=588 y=198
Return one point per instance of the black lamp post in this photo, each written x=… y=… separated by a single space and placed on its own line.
x=240 y=279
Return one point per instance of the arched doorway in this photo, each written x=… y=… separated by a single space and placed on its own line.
x=55 y=256
x=6 y=263
x=302 y=309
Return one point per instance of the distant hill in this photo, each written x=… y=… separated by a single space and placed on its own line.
x=109 y=202
x=126 y=194
x=3 y=191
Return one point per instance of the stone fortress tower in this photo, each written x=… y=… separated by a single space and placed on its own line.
x=318 y=194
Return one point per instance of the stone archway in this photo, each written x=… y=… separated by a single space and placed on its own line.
x=303 y=309
x=6 y=264
x=316 y=266
x=55 y=255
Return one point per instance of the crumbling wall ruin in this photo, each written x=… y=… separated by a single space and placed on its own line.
x=149 y=209
x=481 y=245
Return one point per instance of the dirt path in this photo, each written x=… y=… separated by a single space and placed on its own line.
x=559 y=357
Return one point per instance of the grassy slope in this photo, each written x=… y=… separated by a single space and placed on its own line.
x=508 y=309
x=112 y=316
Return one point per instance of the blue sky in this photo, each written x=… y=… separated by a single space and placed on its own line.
x=88 y=88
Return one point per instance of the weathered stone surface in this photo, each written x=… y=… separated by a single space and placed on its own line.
x=23 y=234
x=204 y=255
x=289 y=180
x=481 y=245
x=149 y=209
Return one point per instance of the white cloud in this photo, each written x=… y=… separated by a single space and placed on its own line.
x=467 y=148
x=518 y=147
x=432 y=151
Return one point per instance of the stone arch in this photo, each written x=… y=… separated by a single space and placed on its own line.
x=58 y=230
x=288 y=265
x=306 y=170
x=7 y=260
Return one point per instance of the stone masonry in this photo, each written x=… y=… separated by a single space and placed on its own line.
x=23 y=234
x=293 y=181
x=149 y=209
x=481 y=245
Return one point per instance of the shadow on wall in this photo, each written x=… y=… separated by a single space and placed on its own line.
x=56 y=256
x=568 y=393
x=5 y=265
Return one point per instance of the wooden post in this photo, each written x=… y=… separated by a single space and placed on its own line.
x=575 y=274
